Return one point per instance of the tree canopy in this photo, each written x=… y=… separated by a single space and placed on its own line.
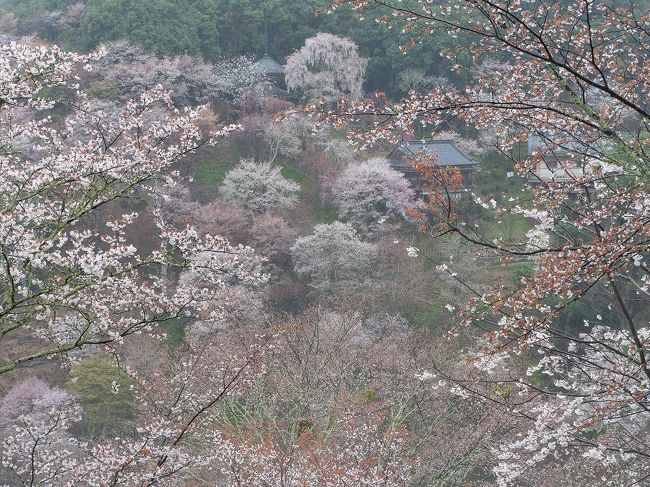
x=225 y=28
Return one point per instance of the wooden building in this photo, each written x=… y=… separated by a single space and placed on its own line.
x=445 y=152
x=555 y=166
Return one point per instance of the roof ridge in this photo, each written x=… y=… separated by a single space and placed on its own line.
x=466 y=159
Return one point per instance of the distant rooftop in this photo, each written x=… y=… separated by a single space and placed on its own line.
x=270 y=66
x=446 y=152
x=535 y=141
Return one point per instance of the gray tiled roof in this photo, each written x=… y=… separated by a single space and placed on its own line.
x=269 y=66
x=446 y=152
x=568 y=147
x=535 y=141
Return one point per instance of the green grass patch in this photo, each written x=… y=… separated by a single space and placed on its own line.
x=433 y=318
x=211 y=172
x=104 y=89
x=294 y=175
x=174 y=329
x=491 y=178
x=520 y=270
x=519 y=150
x=324 y=214
x=541 y=380
x=103 y=390
x=234 y=412
x=508 y=227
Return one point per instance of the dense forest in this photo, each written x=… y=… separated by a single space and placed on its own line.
x=409 y=249
x=224 y=28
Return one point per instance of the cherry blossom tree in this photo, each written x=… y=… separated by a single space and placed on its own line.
x=67 y=286
x=340 y=151
x=32 y=396
x=285 y=137
x=64 y=285
x=72 y=279
x=417 y=80
x=72 y=16
x=361 y=452
x=191 y=80
x=35 y=443
x=271 y=235
x=340 y=403
x=327 y=66
x=259 y=187
x=331 y=254
x=8 y=22
x=241 y=77
x=174 y=406
x=575 y=75
x=367 y=194
x=222 y=218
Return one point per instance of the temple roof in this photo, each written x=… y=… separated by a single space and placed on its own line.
x=446 y=152
x=270 y=66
